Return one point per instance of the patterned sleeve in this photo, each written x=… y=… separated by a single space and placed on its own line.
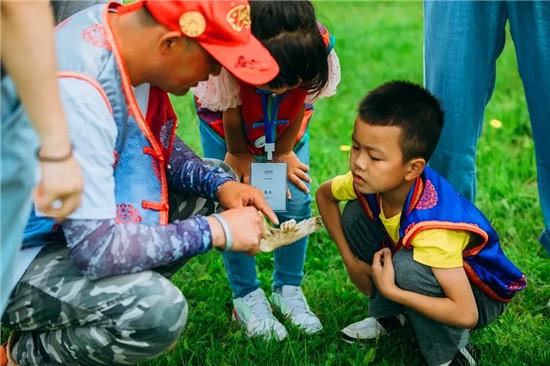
x=218 y=93
x=334 y=78
x=103 y=248
x=189 y=173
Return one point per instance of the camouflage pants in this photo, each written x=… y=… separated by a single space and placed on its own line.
x=62 y=318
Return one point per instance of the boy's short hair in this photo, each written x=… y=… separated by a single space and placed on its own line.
x=410 y=107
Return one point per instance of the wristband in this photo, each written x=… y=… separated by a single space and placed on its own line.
x=226 y=232
x=56 y=159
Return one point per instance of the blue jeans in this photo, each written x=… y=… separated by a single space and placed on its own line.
x=462 y=41
x=289 y=260
x=18 y=145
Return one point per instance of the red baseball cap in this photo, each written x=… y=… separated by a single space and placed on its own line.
x=222 y=28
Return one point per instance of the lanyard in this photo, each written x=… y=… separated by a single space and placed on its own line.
x=270 y=108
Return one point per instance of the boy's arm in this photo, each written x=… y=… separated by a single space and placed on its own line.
x=329 y=210
x=458 y=307
x=188 y=173
x=297 y=170
x=238 y=156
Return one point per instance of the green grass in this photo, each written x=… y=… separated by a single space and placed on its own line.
x=377 y=42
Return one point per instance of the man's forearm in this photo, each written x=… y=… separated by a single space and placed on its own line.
x=102 y=248
x=189 y=173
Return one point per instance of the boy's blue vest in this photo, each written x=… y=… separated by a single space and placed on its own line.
x=432 y=203
x=87 y=50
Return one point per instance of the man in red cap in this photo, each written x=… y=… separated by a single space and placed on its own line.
x=94 y=290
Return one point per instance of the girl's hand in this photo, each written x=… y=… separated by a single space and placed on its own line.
x=240 y=162
x=383 y=273
x=297 y=171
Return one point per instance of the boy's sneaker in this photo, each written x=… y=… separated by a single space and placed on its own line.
x=254 y=313
x=291 y=302
x=371 y=328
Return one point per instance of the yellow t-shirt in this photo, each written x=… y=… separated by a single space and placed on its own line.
x=342 y=187
x=438 y=248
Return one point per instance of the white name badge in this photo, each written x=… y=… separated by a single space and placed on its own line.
x=271 y=179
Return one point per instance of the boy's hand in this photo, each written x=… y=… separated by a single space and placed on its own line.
x=359 y=273
x=236 y=195
x=383 y=274
x=297 y=171
x=240 y=162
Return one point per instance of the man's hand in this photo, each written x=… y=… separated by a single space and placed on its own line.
x=297 y=171
x=247 y=229
x=383 y=274
x=240 y=162
x=236 y=195
x=59 y=189
x=359 y=273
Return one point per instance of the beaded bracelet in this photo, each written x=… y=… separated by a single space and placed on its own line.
x=226 y=231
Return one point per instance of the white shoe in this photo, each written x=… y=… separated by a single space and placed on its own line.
x=253 y=312
x=371 y=328
x=291 y=302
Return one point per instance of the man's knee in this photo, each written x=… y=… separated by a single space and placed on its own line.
x=157 y=316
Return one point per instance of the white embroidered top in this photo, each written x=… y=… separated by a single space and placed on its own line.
x=221 y=92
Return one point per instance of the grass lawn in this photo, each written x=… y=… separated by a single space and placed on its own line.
x=376 y=42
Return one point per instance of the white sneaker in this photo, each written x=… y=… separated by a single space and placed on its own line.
x=371 y=328
x=254 y=314
x=291 y=302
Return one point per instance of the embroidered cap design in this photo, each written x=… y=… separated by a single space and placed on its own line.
x=192 y=24
x=239 y=17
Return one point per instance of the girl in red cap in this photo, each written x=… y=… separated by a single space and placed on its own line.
x=233 y=118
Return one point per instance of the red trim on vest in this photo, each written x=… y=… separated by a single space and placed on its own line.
x=388 y=242
x=482 y=285
x=363 y=203
x=160 y=110
x=134 y=110
x=416 y=195
x=86 y=78
x=446 y=225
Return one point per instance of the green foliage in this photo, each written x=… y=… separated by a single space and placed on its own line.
x=377 y=42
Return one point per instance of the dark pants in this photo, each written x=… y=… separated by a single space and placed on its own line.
x=438 y=342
